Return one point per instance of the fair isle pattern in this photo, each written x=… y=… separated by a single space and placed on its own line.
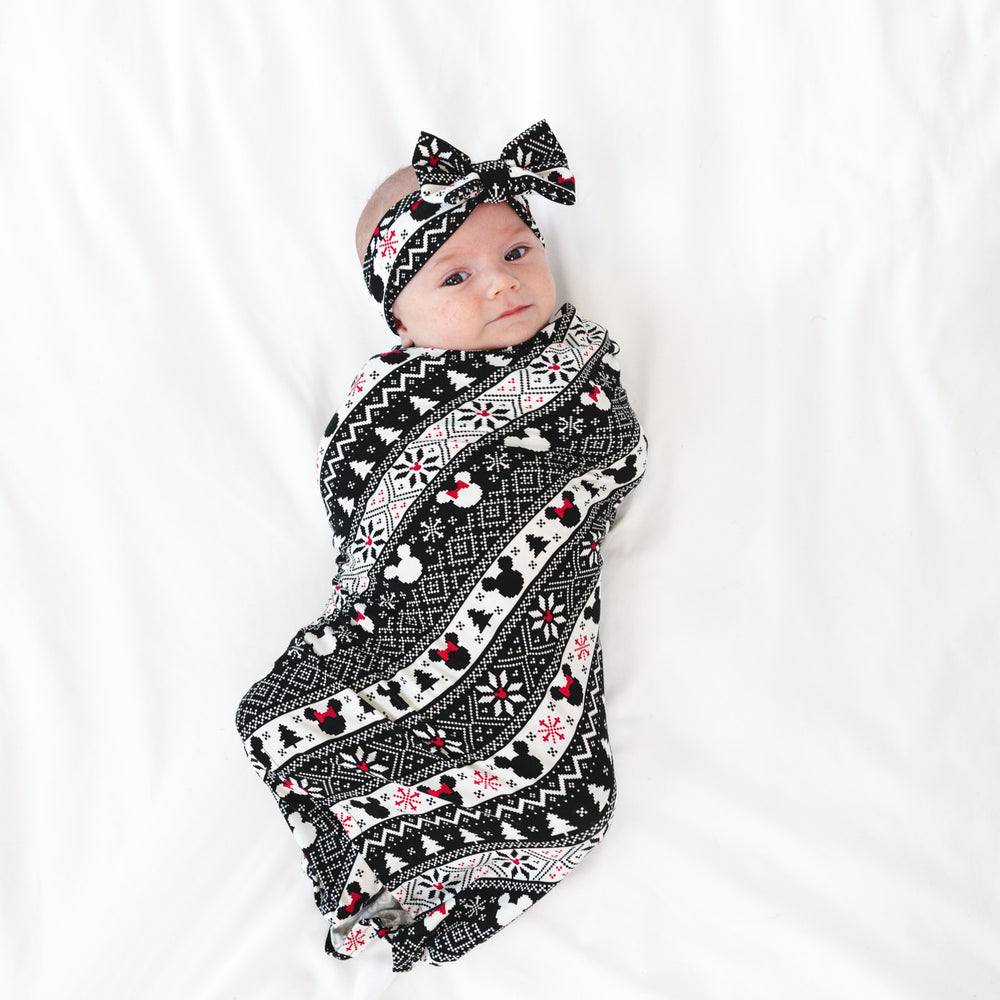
x=436 y=740
x=440 y=447
x=451 y=186
x=419 y=682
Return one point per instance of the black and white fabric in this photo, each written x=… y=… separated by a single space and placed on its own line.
x=451 y=186
x=436 y=739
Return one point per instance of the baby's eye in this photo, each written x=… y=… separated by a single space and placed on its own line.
x=516 y=254
x=455 y=278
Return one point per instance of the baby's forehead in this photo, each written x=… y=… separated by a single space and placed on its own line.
x=485 y=226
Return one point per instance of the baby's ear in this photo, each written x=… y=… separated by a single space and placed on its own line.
x=405 y=340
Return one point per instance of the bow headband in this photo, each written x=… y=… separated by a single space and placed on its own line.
x=451 y=186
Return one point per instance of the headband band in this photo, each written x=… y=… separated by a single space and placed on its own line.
x=451 y=187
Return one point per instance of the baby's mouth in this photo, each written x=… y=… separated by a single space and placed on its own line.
x=512 y=312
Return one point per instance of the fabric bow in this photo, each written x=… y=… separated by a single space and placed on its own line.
x=533 y=161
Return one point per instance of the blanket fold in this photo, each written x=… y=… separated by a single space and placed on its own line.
x=436 y=739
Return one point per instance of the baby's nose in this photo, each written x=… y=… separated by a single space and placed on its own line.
x=503 y=279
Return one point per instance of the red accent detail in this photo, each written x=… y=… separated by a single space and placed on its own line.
x=329 y=713
x=551 y=728
x=413 y=207
x=368 y=540
x=363 y=766
x=444 y=653
x=554 y=368
x=547 y=617
x=562 y=508
x=566 y=180
x=389 y=243
x=359 y=617
x=459 y=485
x=484 y=413
x=406 y=798
x=440 y=909
x=443 y=789
x=500 y=693
x=416 y=467
x=438 y=885
x=355 y=896
x=564 y=690
x=594 y=392
x=433 y=160
x=437 y=741
x=376 y=231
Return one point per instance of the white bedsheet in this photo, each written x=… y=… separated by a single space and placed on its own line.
x=788 y=215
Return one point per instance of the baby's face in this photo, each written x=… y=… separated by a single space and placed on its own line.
x=488 y=286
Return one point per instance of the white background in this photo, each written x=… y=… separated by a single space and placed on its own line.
x=788 y=215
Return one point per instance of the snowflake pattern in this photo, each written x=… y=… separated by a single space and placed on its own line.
x=433 y=884
x=406 y=798
x=289 y=786
x=488 y=781
x=582 y=646
x=365 y=762
x=371 y=537
x=389 y=245
x=569 y=426
x=547 y=616
x=432 y=152
x=516 y=864
x=591 y=551
x=499 y=691
x=551 y=728
x=421 y=466
x=433 y=530
x=496 y=462
x=484 y=416
x=551 y=371
x=437 y=738
x=346 y=820
x=354 y=940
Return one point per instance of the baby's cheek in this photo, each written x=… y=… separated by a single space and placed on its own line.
x=450 y=315
x=547 y=286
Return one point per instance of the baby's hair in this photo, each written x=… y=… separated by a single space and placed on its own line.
x=394 y=187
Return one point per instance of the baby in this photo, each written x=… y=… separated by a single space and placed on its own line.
x=436 y=740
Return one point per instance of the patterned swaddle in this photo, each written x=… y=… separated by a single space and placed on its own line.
x=437 y=739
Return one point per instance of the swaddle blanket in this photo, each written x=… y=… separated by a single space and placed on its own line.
x=436 y=739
